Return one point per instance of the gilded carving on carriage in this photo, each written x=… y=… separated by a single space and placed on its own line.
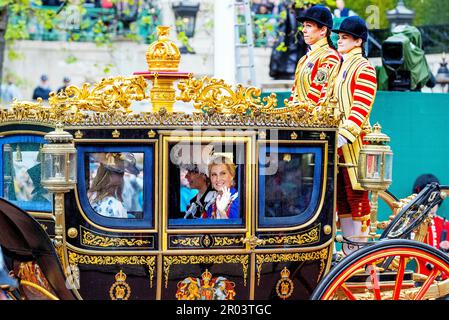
x=118 y=113
x=294 y=136
x=206 y=259
x=108 y=95
x=120 y=289
x=94 y=239
x=151 y=134
x=163 y=54
x=78 y=134
x=27 y=112
x=185 y=241
x=215 y=96
x=206 y=288
x=321 y=256
x=285 y=286
x=116 y=134
x=228 y=241
x=148 y=261
x=205 y=241
x=306 y=237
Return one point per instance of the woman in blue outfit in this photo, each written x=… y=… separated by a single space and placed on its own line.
x=221 y=174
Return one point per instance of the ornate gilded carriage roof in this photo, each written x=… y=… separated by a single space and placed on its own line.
x=216 y=103
x=109 y=103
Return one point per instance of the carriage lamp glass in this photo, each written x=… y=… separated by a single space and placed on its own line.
x=59 y=161
x=388 y=171
x=376 y=161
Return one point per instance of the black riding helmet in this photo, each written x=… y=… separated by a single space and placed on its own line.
x=318 y=14
x=355 y=26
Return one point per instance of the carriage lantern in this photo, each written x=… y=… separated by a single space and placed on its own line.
x=58 y=161
x=375 y=168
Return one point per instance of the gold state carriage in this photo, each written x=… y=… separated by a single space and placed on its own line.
x=278 y=244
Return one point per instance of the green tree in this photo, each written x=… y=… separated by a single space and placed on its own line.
x=13 y=15
x=16 y=14
x=427 y=12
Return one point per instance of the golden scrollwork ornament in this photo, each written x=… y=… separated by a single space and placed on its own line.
x=215 y=96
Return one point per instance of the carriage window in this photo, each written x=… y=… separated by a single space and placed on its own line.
x=22 y=176
x=206 y=184
x=289 y=185
x=116 y=184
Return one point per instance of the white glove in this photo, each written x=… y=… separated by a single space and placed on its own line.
x=210 y=199
x=222 y=203
x=341 y=141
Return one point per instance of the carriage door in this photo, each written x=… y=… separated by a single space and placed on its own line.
x=294 y=213
x=205 y=251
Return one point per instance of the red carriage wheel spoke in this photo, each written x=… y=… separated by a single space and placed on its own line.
x=399 y=278
x=375 y=281
x=348 y=292
x=427 y=284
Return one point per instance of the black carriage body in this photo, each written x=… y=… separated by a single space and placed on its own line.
x=279 y=248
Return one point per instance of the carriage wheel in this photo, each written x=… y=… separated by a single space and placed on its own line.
x=366 y=274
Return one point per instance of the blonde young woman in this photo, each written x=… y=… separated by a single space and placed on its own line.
x=222 y=174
